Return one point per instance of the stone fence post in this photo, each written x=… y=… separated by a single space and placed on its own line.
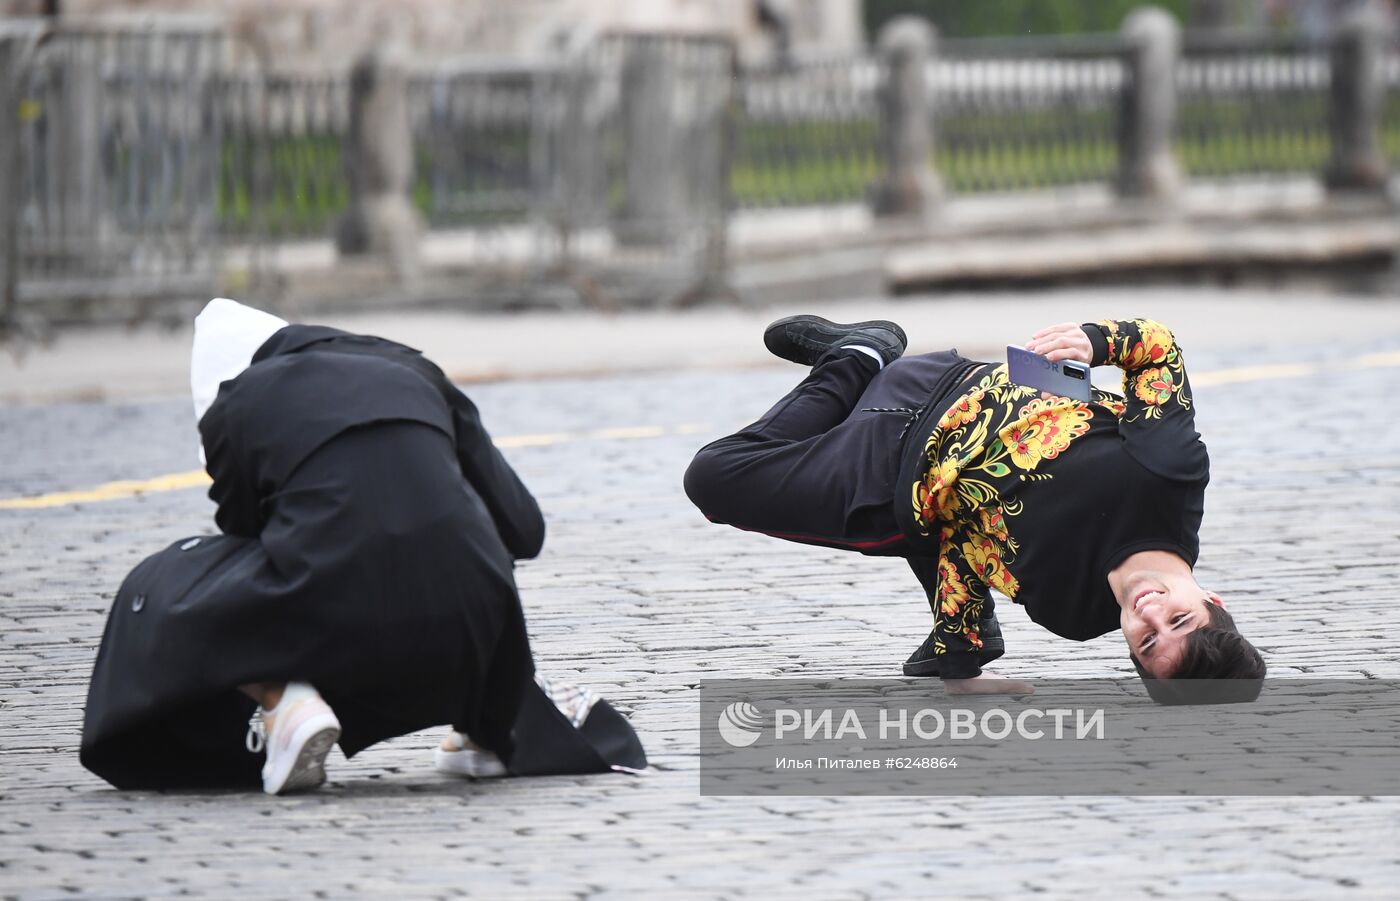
x=16 y=52
x=653 y=148
x=1147 y=165
x=381 y=219
x=909 y=186
x=1357 y=97
x=577 y=165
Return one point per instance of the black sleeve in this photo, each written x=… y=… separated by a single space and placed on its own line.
x=234 y=489
x=1099 y=341
x=1158 y=421
x=956 y=595
x=516 y=514
x=513 y=509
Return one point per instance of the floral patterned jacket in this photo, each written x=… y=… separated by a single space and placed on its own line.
x=1039 y=498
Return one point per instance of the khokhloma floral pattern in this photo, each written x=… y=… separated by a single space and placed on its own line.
x=998 y=433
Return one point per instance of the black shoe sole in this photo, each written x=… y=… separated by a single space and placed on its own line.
x=786 y=347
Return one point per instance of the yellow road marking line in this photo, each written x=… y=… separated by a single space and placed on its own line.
x=112 y=491
x=1255 y=374
x=540 y=440
x=622 y=434
x=195 y=478
x=1375 y=361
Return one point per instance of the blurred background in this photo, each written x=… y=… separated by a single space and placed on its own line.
x=605 y=154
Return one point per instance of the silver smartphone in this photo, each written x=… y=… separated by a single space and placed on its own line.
x=1066 y=378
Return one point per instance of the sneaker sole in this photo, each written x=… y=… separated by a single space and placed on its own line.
x=308 y=770
x=467 y=763
x=837 y=329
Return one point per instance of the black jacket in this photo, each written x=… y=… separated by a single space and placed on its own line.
x=370 y=529
x=1041 y=499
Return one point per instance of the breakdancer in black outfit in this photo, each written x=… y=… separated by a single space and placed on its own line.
x=362 y=586
x=1086 y=514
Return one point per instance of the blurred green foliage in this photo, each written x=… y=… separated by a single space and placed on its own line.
x=808 y=162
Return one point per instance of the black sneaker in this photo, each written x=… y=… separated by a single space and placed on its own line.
x=803 y=339
x=923 y=662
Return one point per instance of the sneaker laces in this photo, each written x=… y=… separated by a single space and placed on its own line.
x=256 y=739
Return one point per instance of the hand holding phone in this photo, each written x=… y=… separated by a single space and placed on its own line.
x=1065 y=341
x=1066 y=378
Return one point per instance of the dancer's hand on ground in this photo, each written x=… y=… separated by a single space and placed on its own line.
x=1065 y=341
x=987 y=684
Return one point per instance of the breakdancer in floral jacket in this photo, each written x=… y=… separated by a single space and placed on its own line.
x=1086 y=514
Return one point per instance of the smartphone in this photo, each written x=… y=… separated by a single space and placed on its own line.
x=1066 y=378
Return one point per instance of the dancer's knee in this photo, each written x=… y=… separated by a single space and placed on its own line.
x=706 y=482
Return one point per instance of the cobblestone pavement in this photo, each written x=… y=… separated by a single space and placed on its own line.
x=638 y=596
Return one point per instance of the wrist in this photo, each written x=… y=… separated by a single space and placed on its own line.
x=1098 y=341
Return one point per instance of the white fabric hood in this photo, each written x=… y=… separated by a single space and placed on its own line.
x=226 y=335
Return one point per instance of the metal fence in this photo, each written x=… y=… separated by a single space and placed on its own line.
x=635 y=170
x=1022 y=115
x=281 y=175
x=118 y=159
x=1247 y=109
x=141 y=152
x=806 y=134
x=477 y=150
x=1005 y=117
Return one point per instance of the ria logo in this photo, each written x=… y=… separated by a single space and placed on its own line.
x=740 y=724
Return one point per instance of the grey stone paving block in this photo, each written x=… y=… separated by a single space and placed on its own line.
x=639 y=596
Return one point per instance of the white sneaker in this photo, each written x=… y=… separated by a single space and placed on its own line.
x=467 y=759
x=303 y=729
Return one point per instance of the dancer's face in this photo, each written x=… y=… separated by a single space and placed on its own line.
x=1162 y=611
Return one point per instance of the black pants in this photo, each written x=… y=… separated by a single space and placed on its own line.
x=821 y=467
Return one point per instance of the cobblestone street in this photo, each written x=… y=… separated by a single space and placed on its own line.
x=639 y=597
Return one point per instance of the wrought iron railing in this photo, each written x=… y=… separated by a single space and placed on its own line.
x=475 y=145
x=118 y=141
x=1012 y=115
x=1251 y=108
x=281 y=172
x=141 y=150
x=806 y=134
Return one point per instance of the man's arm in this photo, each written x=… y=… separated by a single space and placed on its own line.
x=958 y=665
x=956 y=594
x=516 y=514
x=1158 y=423
x=239 y=509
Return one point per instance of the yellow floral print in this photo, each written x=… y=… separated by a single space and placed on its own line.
x=1154 y=386
x=984 y=556
x=1152 y=369
x=1115 y=406
x=991 y=521
x=952 y=593
x=1044 y=429
x=936 y=495
x=964 y=411
x=1152 y=347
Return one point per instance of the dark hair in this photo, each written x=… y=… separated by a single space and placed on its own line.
x=1223 y=668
